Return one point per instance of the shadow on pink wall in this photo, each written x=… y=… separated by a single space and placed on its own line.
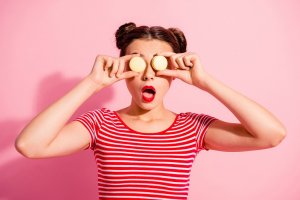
x=71 y=177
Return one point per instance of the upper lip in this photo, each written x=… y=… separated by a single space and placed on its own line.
x=148 y=87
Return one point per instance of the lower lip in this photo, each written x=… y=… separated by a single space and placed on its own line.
x=147 y=99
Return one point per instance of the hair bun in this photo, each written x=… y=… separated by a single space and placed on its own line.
x=123 y=30
x=179 y=35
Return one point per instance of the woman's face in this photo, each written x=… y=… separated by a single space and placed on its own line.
x=136 y=86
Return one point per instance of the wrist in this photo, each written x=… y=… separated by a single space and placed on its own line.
x=91 y=85
x=204 y=81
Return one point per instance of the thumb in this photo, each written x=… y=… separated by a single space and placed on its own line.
x=167 y=72
x=128 y=74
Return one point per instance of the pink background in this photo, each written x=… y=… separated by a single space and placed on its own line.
x=46 y=47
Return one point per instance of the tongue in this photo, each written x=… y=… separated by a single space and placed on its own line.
x=147 y=94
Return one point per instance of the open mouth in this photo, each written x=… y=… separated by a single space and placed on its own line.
x=148 y=93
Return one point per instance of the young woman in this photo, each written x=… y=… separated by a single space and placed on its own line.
x=146 y=151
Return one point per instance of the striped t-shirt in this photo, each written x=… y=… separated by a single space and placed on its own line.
x=136 y=165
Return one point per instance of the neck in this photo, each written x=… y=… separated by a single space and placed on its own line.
x=137 y=112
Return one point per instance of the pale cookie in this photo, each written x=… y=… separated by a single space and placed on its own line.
x=159 y=63
x=137 y=64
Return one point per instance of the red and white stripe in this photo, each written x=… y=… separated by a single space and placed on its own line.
x=136 y=165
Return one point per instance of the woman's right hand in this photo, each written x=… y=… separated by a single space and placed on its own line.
x=108 y=70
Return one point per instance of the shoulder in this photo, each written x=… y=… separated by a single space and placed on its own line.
x=106 y=111
x=98 y=114
x=193 y=117
x=103 y=110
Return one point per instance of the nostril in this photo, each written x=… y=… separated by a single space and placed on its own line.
x=148 y=78
x=149 y=74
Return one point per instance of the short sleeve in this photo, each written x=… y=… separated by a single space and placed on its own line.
x=202 y=123
x=92 y=122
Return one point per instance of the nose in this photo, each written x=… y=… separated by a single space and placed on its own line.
x=149 y=73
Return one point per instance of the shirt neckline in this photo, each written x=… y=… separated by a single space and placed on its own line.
x=175 y=120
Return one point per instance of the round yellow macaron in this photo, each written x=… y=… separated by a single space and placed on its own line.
x=159 y=63
x=137 y=64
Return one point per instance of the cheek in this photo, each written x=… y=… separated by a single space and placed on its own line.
x=165 y=85
x=128 y=84
x=168 y=81
x=131 y=86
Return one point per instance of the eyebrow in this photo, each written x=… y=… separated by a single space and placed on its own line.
x=143 y=54
x=138 y=53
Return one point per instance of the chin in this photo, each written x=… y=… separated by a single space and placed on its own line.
x=147 y=106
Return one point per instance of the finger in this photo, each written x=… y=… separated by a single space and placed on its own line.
x=100 y=59
x=121 y=68
x=181 y=64
x=187 y=61
x=173 y=62
x=127 y=58
x=114 y=67
x=128 y=74
x=108 y=63
x=166 y=54
x=167 y=72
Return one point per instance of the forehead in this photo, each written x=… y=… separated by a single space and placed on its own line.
x=148 y=46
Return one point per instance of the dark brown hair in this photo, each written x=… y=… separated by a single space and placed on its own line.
x=129 y=31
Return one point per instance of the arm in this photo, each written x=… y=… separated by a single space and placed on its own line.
x=36 y=138
x=258 y=128
x=49 y=134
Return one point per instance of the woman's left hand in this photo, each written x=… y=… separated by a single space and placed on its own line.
x=185 y=66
